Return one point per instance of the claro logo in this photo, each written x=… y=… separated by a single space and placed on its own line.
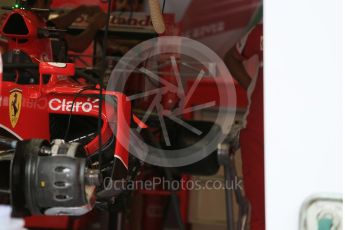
x=64 y=105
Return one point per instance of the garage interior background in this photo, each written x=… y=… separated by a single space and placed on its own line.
x=222 y=21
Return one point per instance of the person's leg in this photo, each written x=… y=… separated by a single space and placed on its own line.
x=252 y=150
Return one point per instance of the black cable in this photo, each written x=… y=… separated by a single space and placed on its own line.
x=111 y=210
x=70 y=115
x=104 y=65
x=169 y=175
x=131 y=9
x=163 y=8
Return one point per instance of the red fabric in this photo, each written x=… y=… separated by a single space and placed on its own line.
x=252 y=150
x=252 y=137
x=254 y=43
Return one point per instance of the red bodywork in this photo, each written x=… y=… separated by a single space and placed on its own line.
x=37 y=49
x=56 y=98
x=38 y=101
x=26 y=108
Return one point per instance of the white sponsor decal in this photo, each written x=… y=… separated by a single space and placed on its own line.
x=206 y=30
x=57 y=64
x=65 y=105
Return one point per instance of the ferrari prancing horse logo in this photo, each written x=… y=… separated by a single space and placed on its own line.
x=15 y=105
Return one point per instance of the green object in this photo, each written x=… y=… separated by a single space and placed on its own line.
x=257 y=17
x=325 y=224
